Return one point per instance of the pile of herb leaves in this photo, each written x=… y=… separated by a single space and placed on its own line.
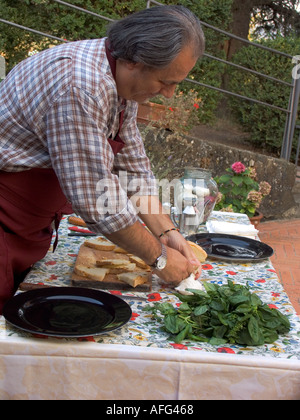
x=229 y=313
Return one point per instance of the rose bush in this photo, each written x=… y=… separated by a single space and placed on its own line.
x=239 y=190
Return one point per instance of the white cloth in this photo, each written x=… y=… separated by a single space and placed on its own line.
x=229 y=228
x=189 y=283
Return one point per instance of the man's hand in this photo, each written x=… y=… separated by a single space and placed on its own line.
x=177 y=269
x=176 y=241
x=137 y=240
x=181 y=261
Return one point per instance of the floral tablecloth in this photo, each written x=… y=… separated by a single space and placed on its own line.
x=143 y=339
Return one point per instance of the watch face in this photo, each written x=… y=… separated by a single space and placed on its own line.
x=161 y=263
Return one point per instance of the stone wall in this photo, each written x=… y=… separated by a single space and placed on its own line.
x=176 y=153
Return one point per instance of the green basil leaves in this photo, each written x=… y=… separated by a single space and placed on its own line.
x=229 y=313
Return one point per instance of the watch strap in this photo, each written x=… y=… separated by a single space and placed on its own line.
x=163 y=255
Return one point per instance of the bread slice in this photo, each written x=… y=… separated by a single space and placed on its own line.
x=139 y=262
x=116 y=266
x=74 y=220
x=198 y=251
x=112 y=262
x=93 y=273
x=101 y=244
x=134 y=279
x=120 y=250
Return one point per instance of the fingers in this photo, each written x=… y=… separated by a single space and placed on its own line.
x=176 y=241
x=191 y=257
x=195 y=263
x=198 y=272
x=178 y=268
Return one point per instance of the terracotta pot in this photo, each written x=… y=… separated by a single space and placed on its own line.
x=150 y=111
x=256 y=219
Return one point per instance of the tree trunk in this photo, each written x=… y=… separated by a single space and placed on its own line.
x=241 y=17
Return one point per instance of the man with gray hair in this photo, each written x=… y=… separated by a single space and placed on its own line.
x=68 y=128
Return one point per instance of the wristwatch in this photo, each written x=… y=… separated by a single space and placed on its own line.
x=160 y=262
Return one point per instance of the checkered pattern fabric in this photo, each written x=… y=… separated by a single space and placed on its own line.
x=57 y=110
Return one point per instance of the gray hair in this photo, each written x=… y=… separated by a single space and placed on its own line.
x=156 y=36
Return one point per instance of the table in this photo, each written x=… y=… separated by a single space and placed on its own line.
x=138 y=362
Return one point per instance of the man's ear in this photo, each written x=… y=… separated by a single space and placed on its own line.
x=133 y=66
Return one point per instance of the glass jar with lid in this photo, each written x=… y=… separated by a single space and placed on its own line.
x=195 y=198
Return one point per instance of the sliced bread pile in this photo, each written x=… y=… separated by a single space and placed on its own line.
x=102 y=264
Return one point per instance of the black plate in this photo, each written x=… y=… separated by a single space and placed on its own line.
x=67 y=312
x=232 y=247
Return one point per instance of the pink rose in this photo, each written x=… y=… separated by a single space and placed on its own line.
x=238 y=167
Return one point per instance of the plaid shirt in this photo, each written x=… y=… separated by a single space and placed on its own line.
x=57 y=110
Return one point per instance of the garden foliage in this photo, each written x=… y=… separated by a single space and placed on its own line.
x=229 y=313
x=264 y=124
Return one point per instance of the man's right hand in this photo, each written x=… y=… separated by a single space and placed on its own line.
x=177 y=269
x=140 y=242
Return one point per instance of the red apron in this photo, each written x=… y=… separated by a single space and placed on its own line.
x=30 y=201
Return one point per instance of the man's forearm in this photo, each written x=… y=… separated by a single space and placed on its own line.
x=153 y=215
x=137 y=240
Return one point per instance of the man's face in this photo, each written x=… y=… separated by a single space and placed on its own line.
x=139 y=83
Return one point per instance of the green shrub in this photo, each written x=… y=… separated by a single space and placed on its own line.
x=265 y=125
x=208 y=71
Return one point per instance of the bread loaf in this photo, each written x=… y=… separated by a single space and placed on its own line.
x=198 y=251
